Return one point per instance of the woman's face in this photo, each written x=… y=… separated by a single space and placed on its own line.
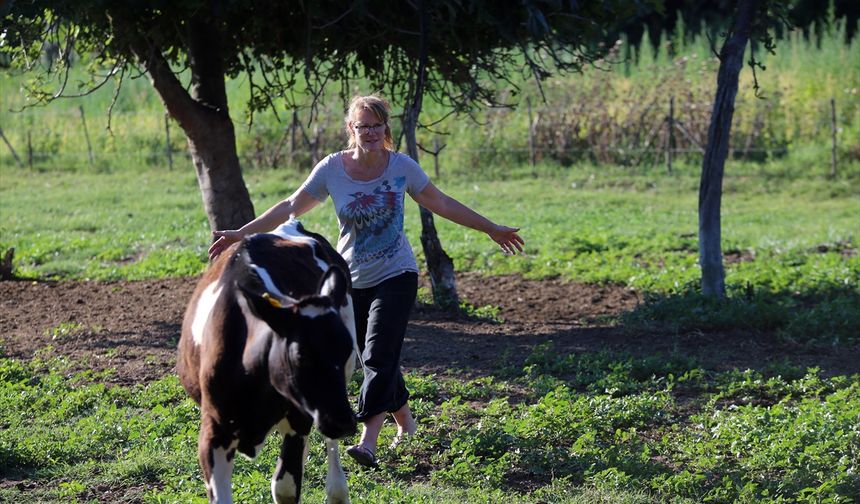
x=369 y=131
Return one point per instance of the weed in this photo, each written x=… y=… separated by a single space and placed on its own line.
x=488 y=313
x=65 y=329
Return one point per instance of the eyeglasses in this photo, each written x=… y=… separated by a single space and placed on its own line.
x=364 y=129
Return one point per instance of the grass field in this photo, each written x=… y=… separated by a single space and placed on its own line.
x=789 y=239
x=584 y=427
x=592 y=224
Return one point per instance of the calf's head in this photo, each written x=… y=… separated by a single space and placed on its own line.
x=309 y=350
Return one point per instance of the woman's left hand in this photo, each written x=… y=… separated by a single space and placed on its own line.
x=510 y=242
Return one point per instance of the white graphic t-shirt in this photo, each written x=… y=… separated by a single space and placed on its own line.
x=370 y=215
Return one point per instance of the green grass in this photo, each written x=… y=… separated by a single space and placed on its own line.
x=585 y=427
x=582 y=427
x=103 y=226
x=150 y=224
x=790 y=240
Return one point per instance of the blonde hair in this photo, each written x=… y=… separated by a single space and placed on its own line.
x=380 y=108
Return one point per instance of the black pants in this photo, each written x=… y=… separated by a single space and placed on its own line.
x=381 y=315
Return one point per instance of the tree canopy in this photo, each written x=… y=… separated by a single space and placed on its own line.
x=290 y=49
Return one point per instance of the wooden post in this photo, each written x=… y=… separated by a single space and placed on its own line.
x=315 y=145
x=435 y=153
x=167 y=147
x=29 y=149
x=293 y=134
x=833 y=137
x=11 y=149
x=6 y=265
x=670 y=139
x=531 y=134
x=86 y=135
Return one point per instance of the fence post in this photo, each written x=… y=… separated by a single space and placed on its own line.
x=86 y=135
x=315 y=145
x=670 y=139
x=167 y=140
x=29 y=150
x=531 y=134
x=11 y=149
x=833 y=137
x=293 y=134
x=435 y=153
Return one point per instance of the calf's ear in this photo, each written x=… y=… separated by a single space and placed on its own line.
x=334 y=285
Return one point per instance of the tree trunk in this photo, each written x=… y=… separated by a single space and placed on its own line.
x=439 y=264
x=204 y=117
x=711 y=183
x=213 y=151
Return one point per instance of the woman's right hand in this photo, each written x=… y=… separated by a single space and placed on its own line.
x=300 y=202
x=225 y=239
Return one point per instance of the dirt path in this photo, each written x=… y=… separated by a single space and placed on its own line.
x=133 y=327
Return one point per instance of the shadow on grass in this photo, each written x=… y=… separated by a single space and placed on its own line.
x=826 y=317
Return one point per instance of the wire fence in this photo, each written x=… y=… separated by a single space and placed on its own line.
x=636 y=133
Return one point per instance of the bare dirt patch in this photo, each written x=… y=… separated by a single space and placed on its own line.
x=133 y=328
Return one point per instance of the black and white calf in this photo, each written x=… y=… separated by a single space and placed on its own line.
x=268 y=342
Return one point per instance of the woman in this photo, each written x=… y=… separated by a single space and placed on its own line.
x=367 y=183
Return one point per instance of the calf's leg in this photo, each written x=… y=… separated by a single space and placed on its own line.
x=217 y=452
x=336 y=490
x=287 y=480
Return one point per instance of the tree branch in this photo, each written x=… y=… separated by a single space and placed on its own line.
x=176 y=98
x=115 y=97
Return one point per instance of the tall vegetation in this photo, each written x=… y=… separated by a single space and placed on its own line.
x=605 y=117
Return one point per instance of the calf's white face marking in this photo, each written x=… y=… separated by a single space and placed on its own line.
x=294 y=351
x=290 y=231
x=203 y=309
x=258 y=332
x=267 y=280
x=348 y=316
x=313 y=311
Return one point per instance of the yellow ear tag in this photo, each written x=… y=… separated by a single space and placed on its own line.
x=272 y=301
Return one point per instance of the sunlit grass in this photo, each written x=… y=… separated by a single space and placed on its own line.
x=150 y=224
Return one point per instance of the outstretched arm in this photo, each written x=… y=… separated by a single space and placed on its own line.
x=440 y=203
x=297 y=204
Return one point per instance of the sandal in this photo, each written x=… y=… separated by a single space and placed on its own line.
x=362 y=456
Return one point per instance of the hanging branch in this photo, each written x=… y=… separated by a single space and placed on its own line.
x=92 y=89
x=66 y=59
x=114 y=99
